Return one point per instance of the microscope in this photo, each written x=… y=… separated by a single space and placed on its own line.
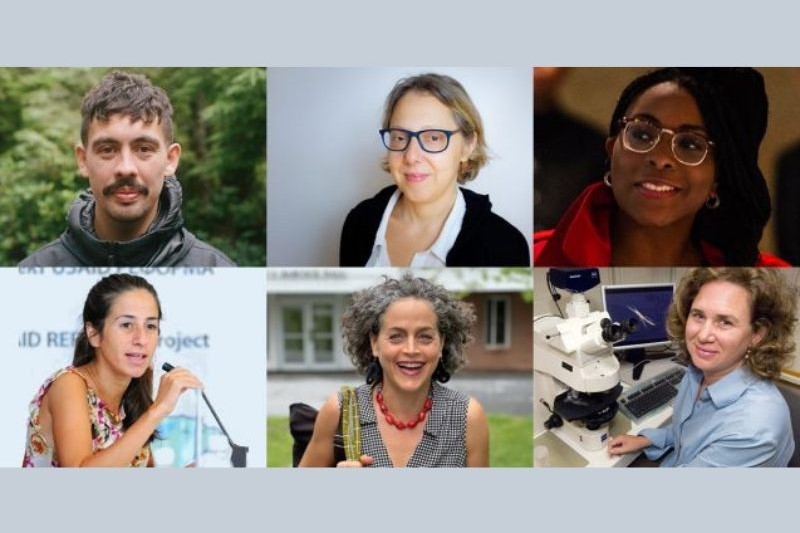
x=575 y=355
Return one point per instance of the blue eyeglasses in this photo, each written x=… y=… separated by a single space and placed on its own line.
x=432 y=141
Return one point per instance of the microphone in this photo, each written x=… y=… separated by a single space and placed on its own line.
x=238 y=453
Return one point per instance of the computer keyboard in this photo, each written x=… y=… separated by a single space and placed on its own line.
x=654 y=393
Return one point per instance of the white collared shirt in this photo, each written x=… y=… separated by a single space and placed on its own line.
x=436 y=255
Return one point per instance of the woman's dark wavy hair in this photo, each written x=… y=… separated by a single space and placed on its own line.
x=138 y=397
x=773 y=307
x=363 y=318
x=734 y=107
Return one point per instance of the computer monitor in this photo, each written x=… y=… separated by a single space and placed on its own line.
x=648 y=304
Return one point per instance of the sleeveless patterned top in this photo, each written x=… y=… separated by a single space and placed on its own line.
x=105 y=430
x=444 y=438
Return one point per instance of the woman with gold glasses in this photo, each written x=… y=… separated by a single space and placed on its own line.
x=435 y=142
x=683 y=185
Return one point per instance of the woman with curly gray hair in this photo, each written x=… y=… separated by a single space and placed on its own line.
x=406 y=336
x=735 y=327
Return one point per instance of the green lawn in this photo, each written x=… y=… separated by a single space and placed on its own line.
x=279 y=441
x=511 y=441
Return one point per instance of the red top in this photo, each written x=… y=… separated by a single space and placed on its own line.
x=582 y=236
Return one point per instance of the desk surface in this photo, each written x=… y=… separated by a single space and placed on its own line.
x=562 y=454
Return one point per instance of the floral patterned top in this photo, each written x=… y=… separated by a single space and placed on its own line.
x=106 y=428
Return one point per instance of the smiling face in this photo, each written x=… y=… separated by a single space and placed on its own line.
x=129 y=336
x=408 y=345
x=719 y=329
x=126 y=163
x=654 y=189
x=423 y=177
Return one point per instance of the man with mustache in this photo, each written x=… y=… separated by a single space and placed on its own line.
x=131 y=213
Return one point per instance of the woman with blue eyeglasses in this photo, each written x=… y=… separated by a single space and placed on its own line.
x=435 y=142
x=683 y=186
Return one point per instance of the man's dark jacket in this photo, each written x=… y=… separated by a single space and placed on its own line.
x=166 y=243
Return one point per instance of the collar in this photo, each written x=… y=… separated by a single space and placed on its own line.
x=379 y=248
x=436 y=255
x=585 y=229
x=725 y=391
x=583 y=235
x=451 y=228
x=158 y=246
x=730 y=388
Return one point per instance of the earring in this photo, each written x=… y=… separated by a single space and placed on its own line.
x=607 y=178
x=441 y=374
x=712 y=202
x=374 y=372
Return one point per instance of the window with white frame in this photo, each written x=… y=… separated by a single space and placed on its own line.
x=308 y=332
x=498 y=323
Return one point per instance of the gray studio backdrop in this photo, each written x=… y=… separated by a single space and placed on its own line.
x=324 y=151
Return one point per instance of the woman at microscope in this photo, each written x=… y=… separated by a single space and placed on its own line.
x=735 y=328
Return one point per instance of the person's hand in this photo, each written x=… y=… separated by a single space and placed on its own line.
x=172 y=385
x=622 y=444
x=364 y=460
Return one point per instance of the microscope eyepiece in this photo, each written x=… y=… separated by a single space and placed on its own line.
x=617 y=331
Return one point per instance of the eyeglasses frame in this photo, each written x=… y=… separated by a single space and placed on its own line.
x=416 y=134
x=625 y=121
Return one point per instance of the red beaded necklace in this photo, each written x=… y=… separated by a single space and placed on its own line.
x=399 y=424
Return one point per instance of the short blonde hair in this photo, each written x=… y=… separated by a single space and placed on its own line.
x=453 y=95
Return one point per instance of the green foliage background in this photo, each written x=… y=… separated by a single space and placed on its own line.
x=220 y=121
